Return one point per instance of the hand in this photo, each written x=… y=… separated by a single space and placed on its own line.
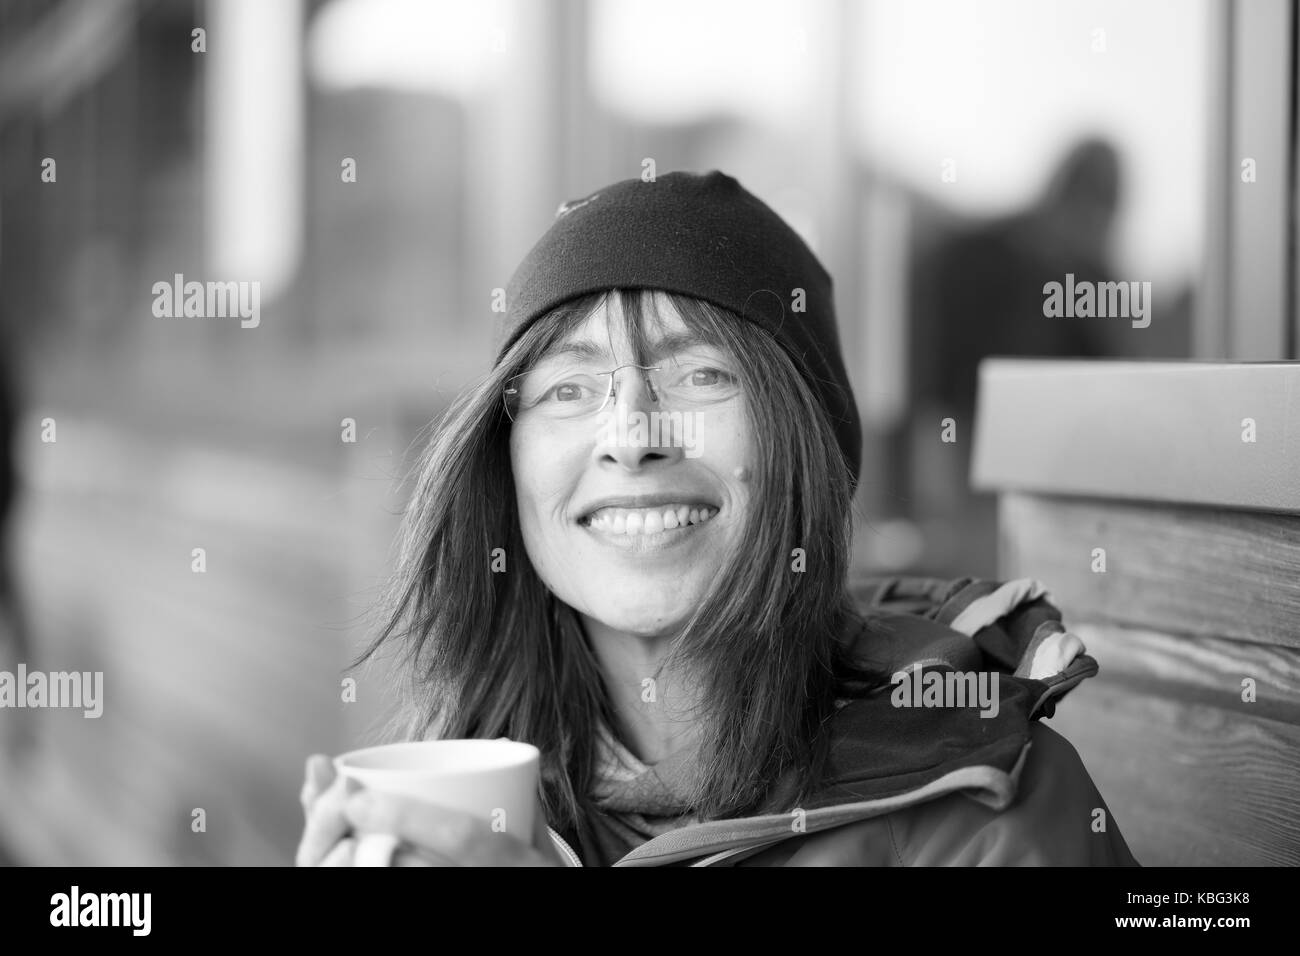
x=438 y=836
x=326 y=838
x=432 y=836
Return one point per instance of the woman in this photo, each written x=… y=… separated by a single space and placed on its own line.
x=629 y=547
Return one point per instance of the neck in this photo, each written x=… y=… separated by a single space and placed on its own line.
x=653 y=705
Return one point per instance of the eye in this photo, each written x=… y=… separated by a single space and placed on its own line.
x=565 y=392
x=570 y=389
x=705 y=377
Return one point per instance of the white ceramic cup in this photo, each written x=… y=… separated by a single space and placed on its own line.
x=494 y=780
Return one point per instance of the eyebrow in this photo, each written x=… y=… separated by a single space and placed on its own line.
x=668 y=344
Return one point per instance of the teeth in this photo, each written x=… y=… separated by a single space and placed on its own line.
x=634 y=521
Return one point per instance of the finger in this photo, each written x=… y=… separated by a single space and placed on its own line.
x=451 y=834
x=417 y=856
x=318 y=775
x=343 y=853
x=326 y=824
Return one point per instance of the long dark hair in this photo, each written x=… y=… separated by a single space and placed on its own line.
x=496 y=654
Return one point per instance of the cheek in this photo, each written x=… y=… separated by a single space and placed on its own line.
x=545 y=476
x=723 y=442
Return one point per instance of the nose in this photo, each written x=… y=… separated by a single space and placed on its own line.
x=633 y=431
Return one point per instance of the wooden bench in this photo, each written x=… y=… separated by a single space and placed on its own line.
x=1160 y=504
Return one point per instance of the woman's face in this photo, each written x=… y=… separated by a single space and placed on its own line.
x=628 y=514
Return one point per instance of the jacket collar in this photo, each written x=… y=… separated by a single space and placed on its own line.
x=885 y=757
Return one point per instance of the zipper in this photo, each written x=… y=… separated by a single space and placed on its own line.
x=564 y=847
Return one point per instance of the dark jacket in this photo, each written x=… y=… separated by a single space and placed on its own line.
x=933 y=785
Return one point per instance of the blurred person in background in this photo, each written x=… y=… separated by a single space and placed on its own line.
x=978 y=292
x=709 y=563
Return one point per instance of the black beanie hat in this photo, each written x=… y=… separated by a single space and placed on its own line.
x=704 y=236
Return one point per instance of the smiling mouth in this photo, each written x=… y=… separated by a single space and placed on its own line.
x=647 y=521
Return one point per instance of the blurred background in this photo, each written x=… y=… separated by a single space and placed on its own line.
x=379 y=167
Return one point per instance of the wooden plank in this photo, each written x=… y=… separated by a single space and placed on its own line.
x=1187 y=784
x=1207 y=670
x=1155 y=431
x=1172 y=569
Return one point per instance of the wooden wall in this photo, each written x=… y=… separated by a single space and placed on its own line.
x=1192 y=727
x=1193 y=604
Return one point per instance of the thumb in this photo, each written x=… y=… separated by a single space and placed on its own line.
x=319 y=775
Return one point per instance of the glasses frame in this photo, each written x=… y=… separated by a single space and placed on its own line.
x=611 y=392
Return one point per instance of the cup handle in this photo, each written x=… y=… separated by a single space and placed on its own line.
x=375 y=849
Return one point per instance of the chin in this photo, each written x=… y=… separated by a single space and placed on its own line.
x=646 y=615
x=649 y=624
